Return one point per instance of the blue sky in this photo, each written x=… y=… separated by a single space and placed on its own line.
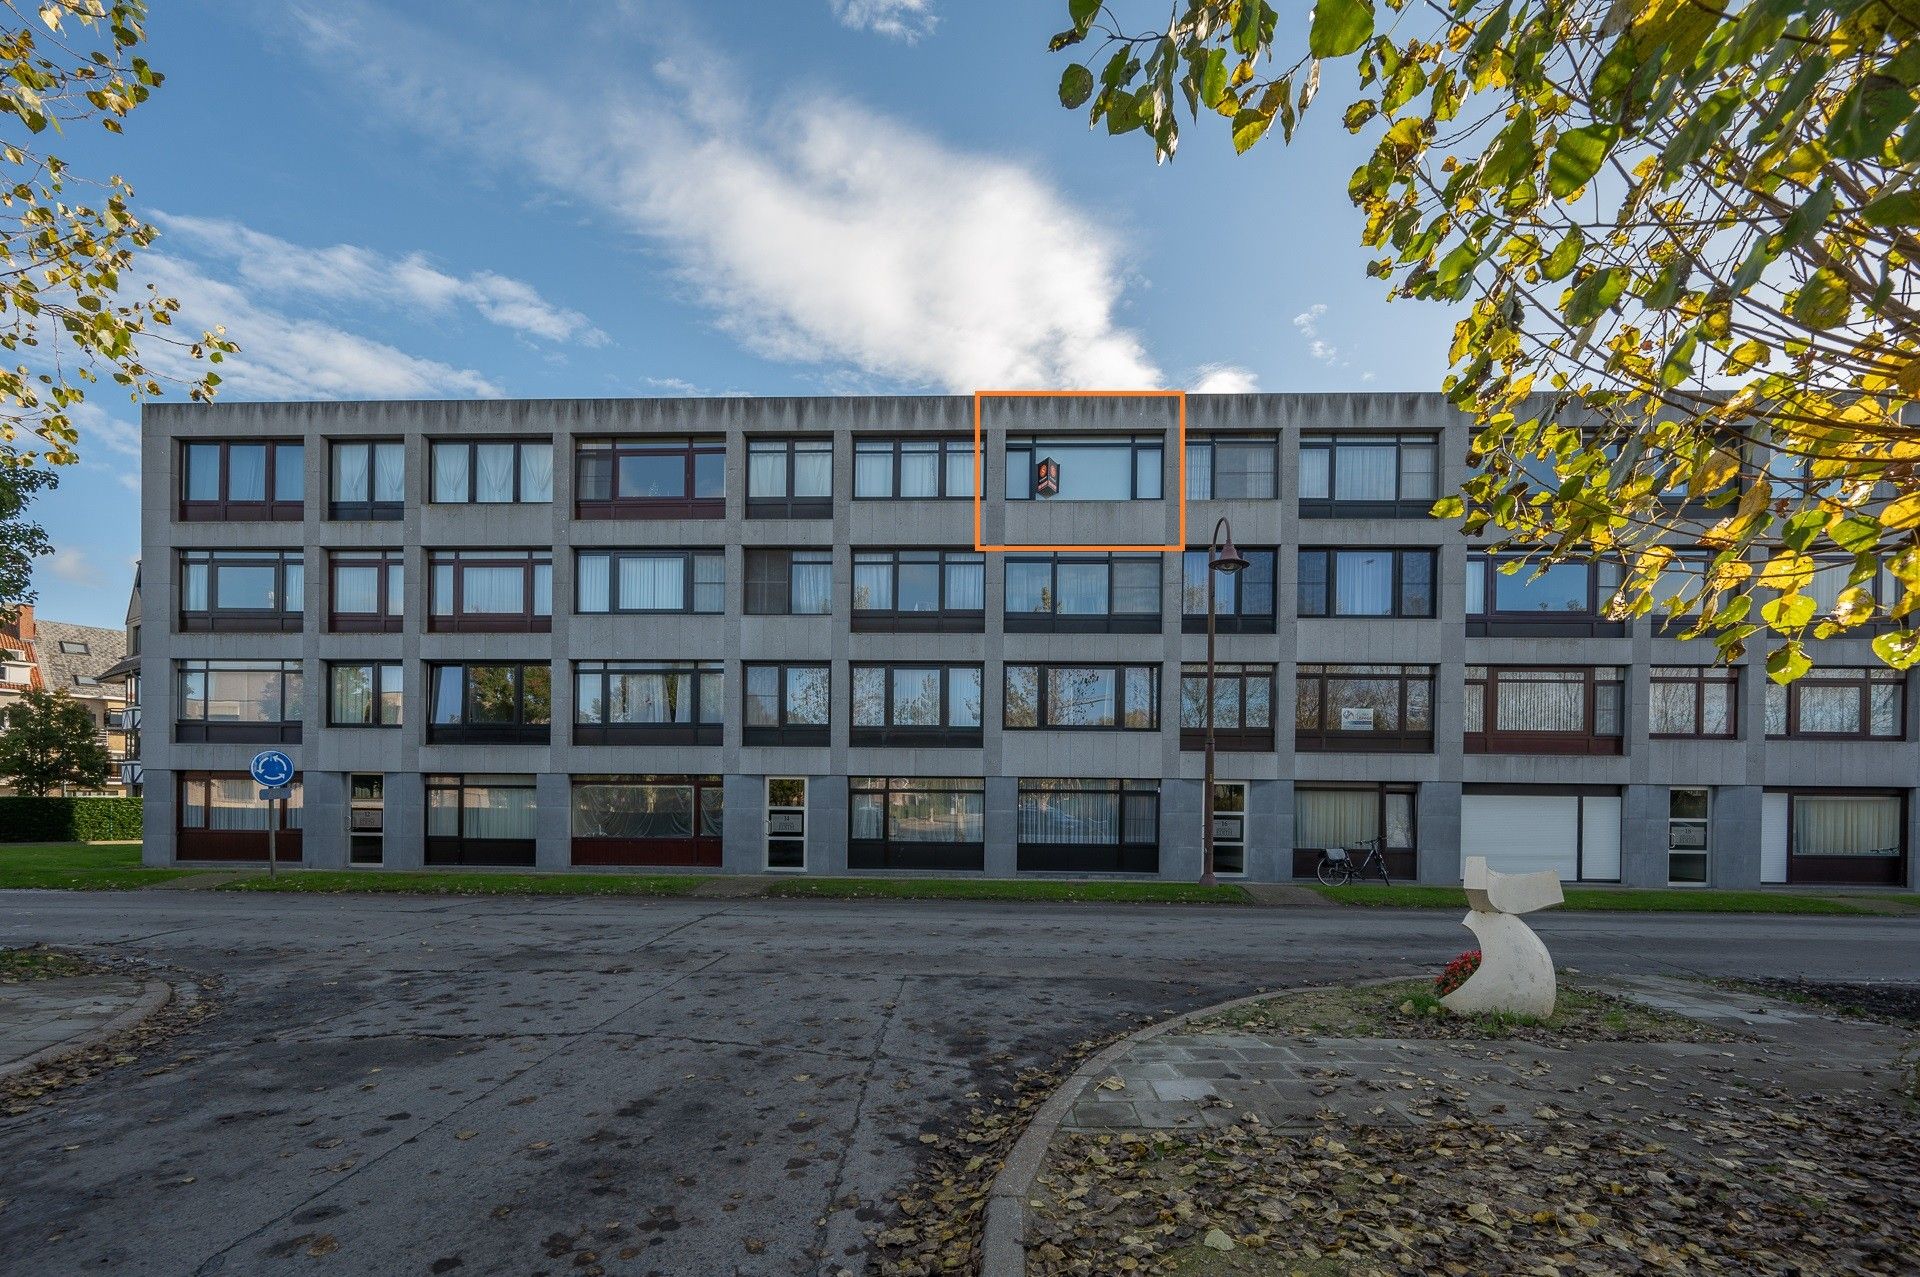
x=430 y=200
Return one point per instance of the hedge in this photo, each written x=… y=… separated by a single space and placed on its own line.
x=69 y=819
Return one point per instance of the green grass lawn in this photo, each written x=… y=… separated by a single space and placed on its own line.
x=1000 y=889
x=468 y=883
x=1588 y=898
x=77 y=866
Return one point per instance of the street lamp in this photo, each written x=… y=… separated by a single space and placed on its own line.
x=1221 y=557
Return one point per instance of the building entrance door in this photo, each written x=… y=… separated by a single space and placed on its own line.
x=786 y=822
x=1229 y=826
x=366 y=819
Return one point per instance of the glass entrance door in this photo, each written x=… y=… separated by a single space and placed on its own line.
x=1229 y=826
x=1687 y=837
x=366 y=819
x=786 y=822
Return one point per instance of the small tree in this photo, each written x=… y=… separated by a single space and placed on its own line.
x=50 y=740
x=21 y=541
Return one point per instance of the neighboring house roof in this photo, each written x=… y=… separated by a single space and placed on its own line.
x=67 y=653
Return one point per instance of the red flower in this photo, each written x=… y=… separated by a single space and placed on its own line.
x=1456 y=972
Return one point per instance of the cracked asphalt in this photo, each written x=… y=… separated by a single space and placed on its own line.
x=487 y=1085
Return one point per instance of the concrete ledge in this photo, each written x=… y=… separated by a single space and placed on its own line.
x=153 y=996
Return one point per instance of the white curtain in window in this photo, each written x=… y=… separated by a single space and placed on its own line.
x=494 y=465
x=1365 y=473
x=389 y=472
x=351 y=482
x=536 y=472
x=352 y=694
x=1828 y=580
x=966 y=585
x=919 y=470
x=543 y=589
x=1313 y=473
x=203 y=472
x=866 y=815
x=234 y=803
x=356 y=589
x=594 y=571
x=1082 y=589
x=873 y=471
x=813 y=470
x=495 y=812
x=1539 y=704
x=490 y=591
x=247 y=472
x=1199 y=472
x=1335 y=817
x=767 y=472
x=1363 y=583
x=450 y=472
x=1069 y=817
x=193 y=588
x=1244 y=470
x=1846 y=825
x=653 y=584
x=812 y=589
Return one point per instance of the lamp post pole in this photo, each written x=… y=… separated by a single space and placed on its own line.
x=1221 y=557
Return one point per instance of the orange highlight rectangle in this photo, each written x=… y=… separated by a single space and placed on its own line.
x=979 y=469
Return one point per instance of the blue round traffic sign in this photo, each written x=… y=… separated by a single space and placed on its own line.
x=272 y=768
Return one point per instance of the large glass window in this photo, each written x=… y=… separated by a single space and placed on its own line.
x=1242 y=707
x=221 y=817
x=1692 y=700
x=789 y=582
x=239 y=702
x=642 y=702
x=363 y=694
x=919 y=469
x=788 y=704
x=1847 y=825
x=899 y=822
x=479 y=702
x=241 y=590
x=659 y=820
x=943 y=590
x=234 y=480
x=367 y=591
x=913 y=704
x=650 y=581
x=1242 y=601
x=480 y=819
x=368 y=478
x=492 y=473
x=1092 y=468
x=493 y=591
x=790 y=478
x=650 y=478
x=1840 y=703
x=1364 y=708
x=1232 y=468
x=1350 y=816
x=1366 y=582
x=1835 y=575
x=1083 y=697
x=1367 y=475
x=1507 y=594
x=1088 y=826
x=1535 y=709
x=1083 y=593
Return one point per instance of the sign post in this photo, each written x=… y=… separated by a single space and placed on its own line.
x=274 y=771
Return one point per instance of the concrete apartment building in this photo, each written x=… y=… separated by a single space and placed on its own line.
x=755 y=634
x=43 y=655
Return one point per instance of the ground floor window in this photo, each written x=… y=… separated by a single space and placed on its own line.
x=480 y=820
x=900 y=822
x=1335 y=815
x=647 y=820
x=1089 y=826
x=221 y=816
x=1845 y=838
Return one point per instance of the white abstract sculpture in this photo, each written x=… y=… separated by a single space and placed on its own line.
x=1516 y=971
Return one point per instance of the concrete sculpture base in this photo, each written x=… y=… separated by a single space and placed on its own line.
x=1516 y=971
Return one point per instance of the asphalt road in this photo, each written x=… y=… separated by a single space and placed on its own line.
x=418 y=1085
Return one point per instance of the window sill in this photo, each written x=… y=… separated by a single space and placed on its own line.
x=491 y=734
x=194 y=733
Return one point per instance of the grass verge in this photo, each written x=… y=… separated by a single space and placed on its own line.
x=334 y=881
x=78 y=866
x=1184 y=893
x=37 y=962
x=1603 y=901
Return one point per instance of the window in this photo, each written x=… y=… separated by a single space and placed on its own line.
x=650 y=478
x=479 y=703
x=1083 y=697
x=73 y=647
x=1088 y=826
x=788 y=704
x=1364 y=708
x=221 y=817
x=909 y=705
x=648 y=820
x=789 y=478
x=1092 y=468
x=363 y=694
x=368 y=591
x=1083 y=594
x=233 y=480
x=650 y=581
x=1834 y=575
x=490 y=591
x=1359 y=583
x=1242 y=601
x=1367 y=476
x=242 y=590
x=789 y=582
x=912 y=469
x=1230 y=468
x=480 y=820
x=648 y=703
x=1687 y=836
x=919 y=590
x=1537 y=710
x=85 y=680
x=1846 y=836
x=899 y=822
x=369 y=479
x=1840 y=703
x=495 y=473
x=1507 y=595
x=1242 y=707
x=1692 y=700
x=239 y=702
x=1347 y=815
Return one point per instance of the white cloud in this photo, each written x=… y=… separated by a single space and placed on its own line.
x=906 y=20
x=266 y=263
x=841 y=238
x=1224 y=379
x=1307 y=322
x=74 y=567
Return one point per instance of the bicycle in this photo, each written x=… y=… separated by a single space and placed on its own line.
x=1337 y=867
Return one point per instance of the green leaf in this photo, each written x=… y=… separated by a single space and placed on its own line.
x=1823 y=301
x=1339 y=27
x=1249 y=127
x=1787 y=614
x=1898 y=648
x=1802 y=528
x=1082 y=13
x=1577 y=156
x=1565 y=255
x=1076 y=86
x=1902 y=208
x=1210 y=75
x=1784 y=664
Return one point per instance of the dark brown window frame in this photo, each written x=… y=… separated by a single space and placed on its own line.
x=385 y=621
x=473 y=470
x=1491 y=740
x=697 y=849
x=1211 y=440
x=1236 y=621
x=1403 y=863
x=885 y=852
x=526 y=621
x=370 y=509
x=380 y=670
x=1699 y=678
x=942 y=449
x=206 y=843
x=1053 y=621
x=943 y=620
x=224 y=510
x=1400 y=507
x=784 y=732
x=753 y=587
x=1825 y=676
x=789 y=506
x=1118 y=856
x=202 y=731
x=460 y=849
x=689 y=579
x=616 y=506
x=1035 y=444
x=1330 y=577
x=911 y=736
x=1491 y=622
x=700 y=730
x=215 y=619
x=518 y=732
x=1332 y=740
x=1119 y=670
x=1892 y=869
x=1242 y=739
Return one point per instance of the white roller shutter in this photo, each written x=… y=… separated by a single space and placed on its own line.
x=1773 y=838
x=1519 y=833
x=1600 y=839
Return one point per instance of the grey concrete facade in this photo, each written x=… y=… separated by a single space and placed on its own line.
x=1738 y=771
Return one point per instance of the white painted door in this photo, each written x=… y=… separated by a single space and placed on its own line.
x=1519 y=833
x=1773 y=838
x=1600 y=838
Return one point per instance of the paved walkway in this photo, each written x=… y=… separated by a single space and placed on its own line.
x=38 y=1016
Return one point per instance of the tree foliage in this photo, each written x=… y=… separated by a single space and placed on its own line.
x=20 y=541
x=1682 y=236
x=64 y=262
x=51 y=740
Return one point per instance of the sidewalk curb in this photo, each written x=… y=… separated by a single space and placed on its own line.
x=1003 y=1241
x=155 y=995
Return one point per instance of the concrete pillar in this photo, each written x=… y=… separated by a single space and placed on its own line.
x=827 y=824
x=1643 y=836
x=323 y=820
x=1437 y=832
x=1269 y=831
x=160 y=791
x=1733 y=836
x=404 y=796
x=743 y=841
x=553 y=821
x=1002 y=858
x=1180 y=829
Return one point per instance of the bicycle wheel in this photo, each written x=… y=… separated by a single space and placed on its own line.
x=1332 y=873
